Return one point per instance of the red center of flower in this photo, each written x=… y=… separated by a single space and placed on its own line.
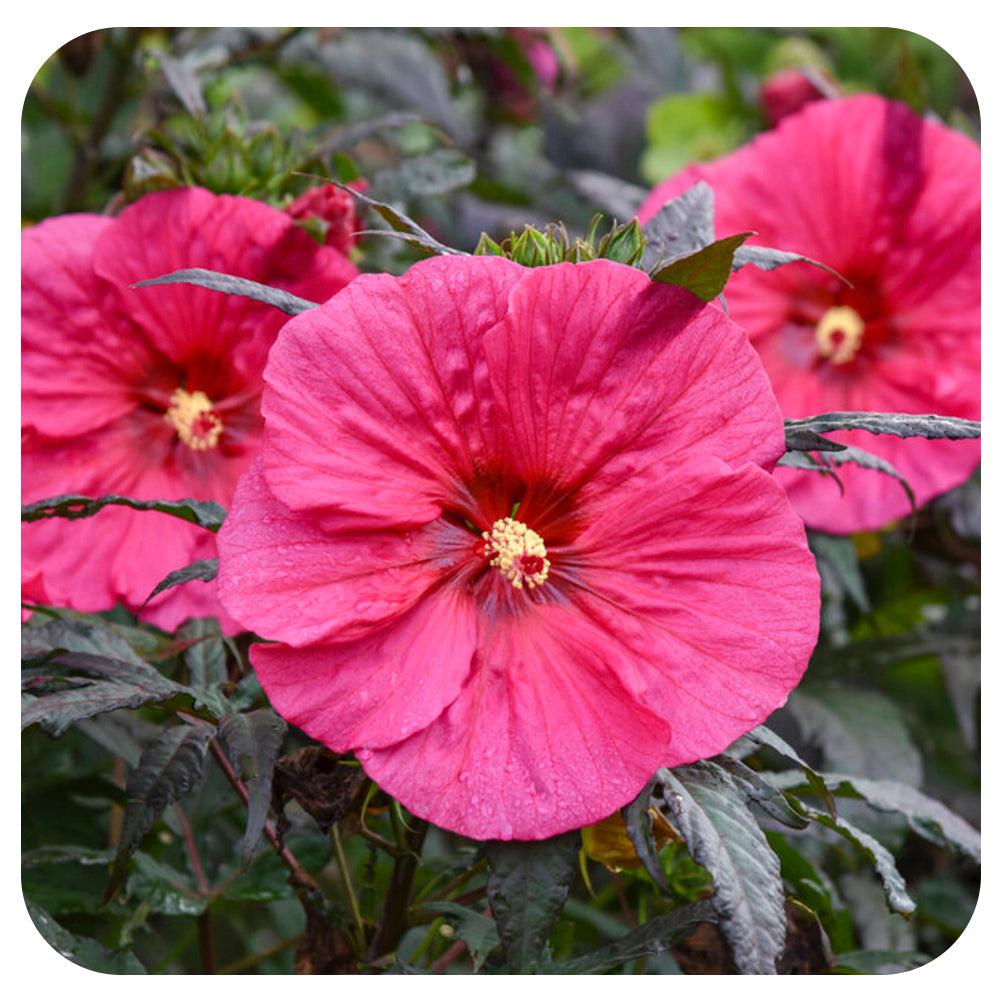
x=839 y=334
x=518 y=552
x=196 y=422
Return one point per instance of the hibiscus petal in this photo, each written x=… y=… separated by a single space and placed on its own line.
x=378 y=402
x=190 y=227
x=71 y=380
x=542 y=738
x=704 y=575
x=379 y=688
x=297 y=583
x=598 y=371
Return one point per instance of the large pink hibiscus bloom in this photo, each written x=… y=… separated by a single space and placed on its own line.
x=892 y=202
x=516 y=536
x=151 y=393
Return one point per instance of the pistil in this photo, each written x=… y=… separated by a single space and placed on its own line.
x=518 y=552
x=196 y=422
x=839 y=334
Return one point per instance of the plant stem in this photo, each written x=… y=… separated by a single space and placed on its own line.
x=205 y=944
x=345 y=874
x=300 y=877
x=397 y=899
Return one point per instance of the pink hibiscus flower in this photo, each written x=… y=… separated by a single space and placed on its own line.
x=514 y=532
x=892 y=202
x=150 y=393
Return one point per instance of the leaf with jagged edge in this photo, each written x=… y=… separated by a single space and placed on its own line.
x=253 y=742
x=218 y=281
x=640 y=832
x=205 y=513
x=723 y=836
x=897 y=424
x=527 y=888
x=201 y=569
x=703 y=272
x=763 y=736
x=167 y=770
x=477 y=930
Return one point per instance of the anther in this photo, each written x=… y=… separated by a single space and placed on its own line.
x=839 y=334
x=192 y=416
x=518 y=552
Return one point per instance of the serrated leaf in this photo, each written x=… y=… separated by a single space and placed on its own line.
x=653 y=937
x=683 y=225
x=253 y=741
x=703 y=272
x=167 y=770
x=204 y=513
x=756 y=788
x=803 y=439
x=527 y=888
x=763 y=736
x=929 y=818
x=201 y=569
x=640 y=832
x=217 y=281
x=205 y=659
x=866 y=460
x=83 y=951
x=896 y=424
x=885 y=865
x=402 y=225
x=478 y=931
x=767 y=259
x=723 y=836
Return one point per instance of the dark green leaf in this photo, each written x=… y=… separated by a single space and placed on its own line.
x=704 y=272
x=640 y=832
x=167 y=770
x=685 y=224
x=928 y=817
x=767 y=259
x=477 y=930
x=764 y=737
x=654 y=936
x=723 y=836
x=402 y=225
x=839 y=566
x=163 y=889
x=897 y=424
x=756 y=788
x=253 y=741
x=216 y=281
x=803 y=439
x=204 y=513
x=527 y=889
x=84 y=951
x=206 y=658
x=202 y=569
x=885 y=866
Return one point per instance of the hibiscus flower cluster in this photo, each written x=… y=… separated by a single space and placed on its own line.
x=515 y=537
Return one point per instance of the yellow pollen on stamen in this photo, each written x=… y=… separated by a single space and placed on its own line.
x=851 y=327
x=192 y=416
x=518 y=552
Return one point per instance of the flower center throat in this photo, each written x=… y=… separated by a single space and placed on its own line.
x=518 y=552
x=839 y=334
x=196 y=422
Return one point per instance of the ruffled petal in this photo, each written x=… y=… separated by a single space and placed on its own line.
x=598 y=371
x=542 y=738
x=80 y=363
x=289 y=579
x=381 y=687
x=190 y=227
x=378 y=403
x=705 y=577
